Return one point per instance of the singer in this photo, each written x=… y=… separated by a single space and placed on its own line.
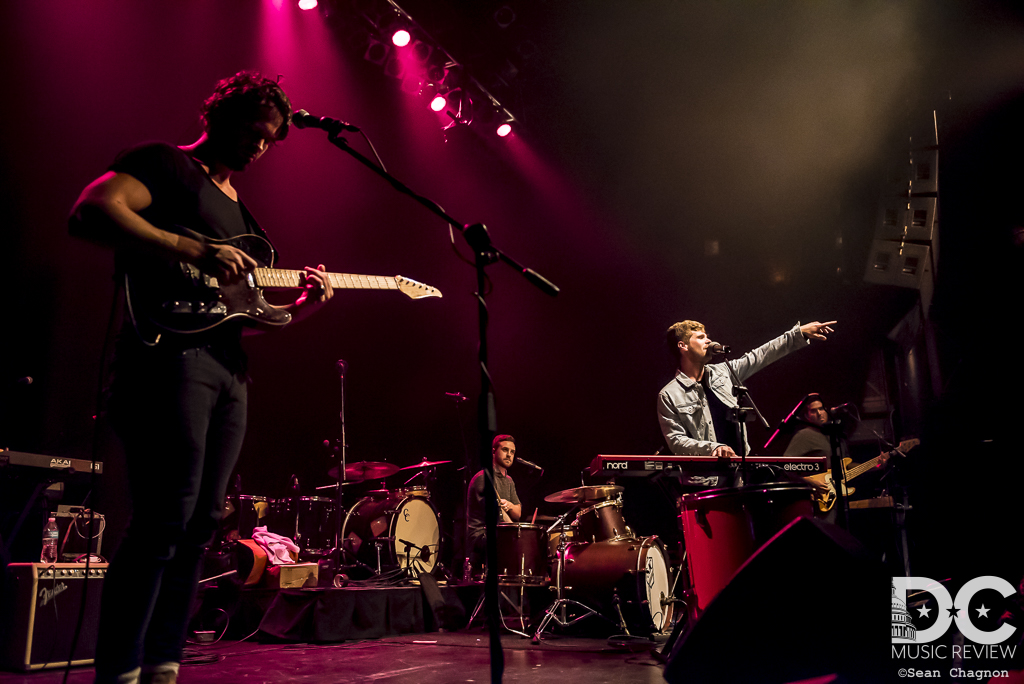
x=693 y=408
x=178 y=401
x=503 y=453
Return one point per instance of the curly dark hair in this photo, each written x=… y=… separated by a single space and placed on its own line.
x=242 y=98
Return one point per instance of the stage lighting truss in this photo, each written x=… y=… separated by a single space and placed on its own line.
x=423 y=67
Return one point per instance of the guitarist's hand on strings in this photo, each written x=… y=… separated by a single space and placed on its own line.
x=226 y=261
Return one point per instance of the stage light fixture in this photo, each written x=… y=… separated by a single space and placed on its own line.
x=401 y=37
x=504 y=16
x=438 y=103
x=395 y=68
x=307 y=4
x=421 y=51
x=376 y=51
x=460 y=106
x=504 y=129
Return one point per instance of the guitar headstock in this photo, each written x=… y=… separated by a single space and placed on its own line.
x=416 y=290
x=907 y=444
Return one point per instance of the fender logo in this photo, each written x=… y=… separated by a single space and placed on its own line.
x=47 y=595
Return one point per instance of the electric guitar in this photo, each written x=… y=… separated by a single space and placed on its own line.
x=827 y=499
x=180 y=298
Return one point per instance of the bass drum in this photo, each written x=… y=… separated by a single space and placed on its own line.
x=401 y=531
x=635 y=570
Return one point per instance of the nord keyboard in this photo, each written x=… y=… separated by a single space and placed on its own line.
x=612 y=465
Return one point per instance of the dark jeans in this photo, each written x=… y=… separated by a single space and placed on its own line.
x=181 y=417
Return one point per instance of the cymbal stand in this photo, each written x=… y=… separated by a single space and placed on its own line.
x=557 y=612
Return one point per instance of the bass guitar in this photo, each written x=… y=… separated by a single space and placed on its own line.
x=825 y=488
x=181 y=298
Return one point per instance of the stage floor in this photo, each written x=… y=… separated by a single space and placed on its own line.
x=431 y=658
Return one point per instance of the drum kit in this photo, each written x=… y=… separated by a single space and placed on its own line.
x=588 y=555
x=386 y=530
x=600 y=567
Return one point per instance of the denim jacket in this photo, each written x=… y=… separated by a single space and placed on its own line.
x=683 y=409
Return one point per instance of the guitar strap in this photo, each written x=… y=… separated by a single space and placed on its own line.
x=254 y=227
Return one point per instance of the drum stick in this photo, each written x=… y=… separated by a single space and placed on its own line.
x=534 y=518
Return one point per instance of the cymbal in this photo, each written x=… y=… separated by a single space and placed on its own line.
x=366 y=470
x=580 y=494
x=424 y=464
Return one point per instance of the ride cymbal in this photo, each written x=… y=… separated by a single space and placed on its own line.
x=365 y=470
x=580 y=494
x=424 y=464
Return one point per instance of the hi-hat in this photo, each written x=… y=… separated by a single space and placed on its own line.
x=424 y=464
x=365 y=470
x=580 y=494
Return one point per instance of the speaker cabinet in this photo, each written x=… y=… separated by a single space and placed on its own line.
x=810 y=602
x=41 y=605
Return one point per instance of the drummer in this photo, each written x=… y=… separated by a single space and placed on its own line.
x=503 y=452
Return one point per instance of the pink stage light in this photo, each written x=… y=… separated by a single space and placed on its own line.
x=401 y=38
x=504 y=129
x=307 y=4
x=438 y=103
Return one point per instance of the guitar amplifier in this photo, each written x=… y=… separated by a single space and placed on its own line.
x=41 y=604
x=74 y=533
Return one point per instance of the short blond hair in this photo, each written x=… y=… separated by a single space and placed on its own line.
x=680 y=332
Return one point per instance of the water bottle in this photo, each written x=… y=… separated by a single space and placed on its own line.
x=50 y=534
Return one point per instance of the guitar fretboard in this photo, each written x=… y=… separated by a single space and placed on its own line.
x=277 y=277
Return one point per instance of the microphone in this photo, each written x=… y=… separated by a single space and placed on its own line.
x=842 y=408
x=532 y=465
x=303 y=119
x=342 y=367
x=716 y=349
x=424 y=550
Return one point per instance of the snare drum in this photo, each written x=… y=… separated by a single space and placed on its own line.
x=635 y=570
x=520 y=559
x=602 y=522
x=394 y=530
x=722 y=528
x=421 y=492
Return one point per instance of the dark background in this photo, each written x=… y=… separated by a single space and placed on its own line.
x=649 y=130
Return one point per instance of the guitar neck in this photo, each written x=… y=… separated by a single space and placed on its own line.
x=862 y=468
x=905 y=445
x=283 y=278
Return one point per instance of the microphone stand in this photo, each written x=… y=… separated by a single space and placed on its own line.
x=486 y=254
x=741 y=416
x=337 y=551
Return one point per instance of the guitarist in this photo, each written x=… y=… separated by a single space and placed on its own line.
x=178 y=402
x=503 y=453
x=811 y=440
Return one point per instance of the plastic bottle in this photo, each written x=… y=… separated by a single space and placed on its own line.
x=50 y=534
